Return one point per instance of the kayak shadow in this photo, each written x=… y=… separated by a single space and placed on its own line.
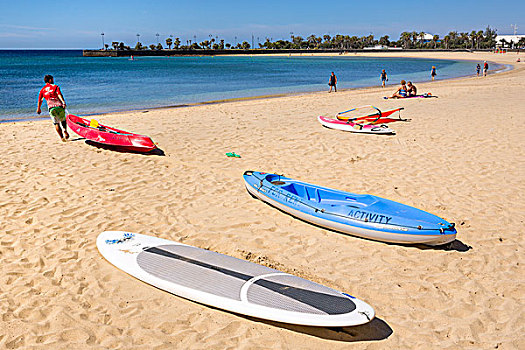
x=154 y=152
x=455 y=245
x=375 y=330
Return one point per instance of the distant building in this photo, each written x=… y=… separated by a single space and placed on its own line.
x=377 y=47
x=508 y=40
x=427 y=38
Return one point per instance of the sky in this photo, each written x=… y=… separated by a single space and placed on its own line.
x=79 y=24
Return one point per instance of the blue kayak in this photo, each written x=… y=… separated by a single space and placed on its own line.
x=361 y=215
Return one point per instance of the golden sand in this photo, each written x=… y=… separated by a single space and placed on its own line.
x=461 y=157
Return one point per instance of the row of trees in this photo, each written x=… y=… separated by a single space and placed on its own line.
x=407 y=40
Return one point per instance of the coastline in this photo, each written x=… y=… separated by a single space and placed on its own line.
x=460 y=157
x=393 y=54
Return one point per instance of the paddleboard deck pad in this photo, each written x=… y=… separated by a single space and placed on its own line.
x=229 y=283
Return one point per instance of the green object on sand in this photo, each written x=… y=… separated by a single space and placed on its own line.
x=233 y=154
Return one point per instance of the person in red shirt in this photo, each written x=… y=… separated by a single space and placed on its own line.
x=55 y=104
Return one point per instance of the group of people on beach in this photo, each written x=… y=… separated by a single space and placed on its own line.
x=407 y=89
x=485 y=69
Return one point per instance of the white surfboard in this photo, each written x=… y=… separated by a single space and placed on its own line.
x=229 y=283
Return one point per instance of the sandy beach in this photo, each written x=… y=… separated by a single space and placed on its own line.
x=461 y=157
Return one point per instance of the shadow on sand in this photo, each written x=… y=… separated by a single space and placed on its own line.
x=456 y=245
x=155 y=152
x=377 y=329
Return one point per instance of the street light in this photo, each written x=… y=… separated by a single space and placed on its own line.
x=103 y=46
x=138 y=38
x=157 y=35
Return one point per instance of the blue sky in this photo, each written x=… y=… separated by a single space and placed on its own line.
x=78 y=24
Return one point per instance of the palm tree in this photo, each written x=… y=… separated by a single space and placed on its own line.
x=405 y=38
x=421 y=36
x=311 y=40
x=446 y=40
x=115 y=45
x=479 y=38
x=384 y=41
x=435 y=39
x=327 y=38
x=176 y=43
x=169 y=42
x=473 y=36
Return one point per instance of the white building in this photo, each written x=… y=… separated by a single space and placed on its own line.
x=511 y=40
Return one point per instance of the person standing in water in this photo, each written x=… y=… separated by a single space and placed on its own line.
x=332 y=82
x=56 y=105
x=384 y=78
x=433 y=72
x=485 y=68
x=478 y=69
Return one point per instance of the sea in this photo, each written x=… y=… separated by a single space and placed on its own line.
x=95 y=85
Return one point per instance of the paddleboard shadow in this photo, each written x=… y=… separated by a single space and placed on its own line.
x=375 y=330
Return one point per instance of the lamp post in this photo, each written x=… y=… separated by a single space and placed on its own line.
x=157 y=35
x=102 y=35
x=138 y=38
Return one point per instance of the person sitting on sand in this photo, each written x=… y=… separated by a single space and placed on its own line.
x=332 y=82
x=412 y=89
x=56 y=105
x=401 y=92
x=384 y=78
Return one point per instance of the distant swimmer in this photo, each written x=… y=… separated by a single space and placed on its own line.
x=332 y=82
x=401 y=92
x=384 y=78
x=56 y=105
x=412 y=90
x=433 y=72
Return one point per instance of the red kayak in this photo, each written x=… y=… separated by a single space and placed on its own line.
x=91 y=130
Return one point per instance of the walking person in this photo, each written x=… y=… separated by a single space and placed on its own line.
x=332 y=82
x=56 y=105
x=485 y=68
x=478 y=69
x=384 y=78
x=433 y=72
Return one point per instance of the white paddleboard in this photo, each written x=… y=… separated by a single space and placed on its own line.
x=229 y=283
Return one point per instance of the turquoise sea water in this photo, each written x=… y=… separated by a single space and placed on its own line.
x=94 y=85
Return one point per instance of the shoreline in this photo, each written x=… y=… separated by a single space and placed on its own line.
x=505 y=67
